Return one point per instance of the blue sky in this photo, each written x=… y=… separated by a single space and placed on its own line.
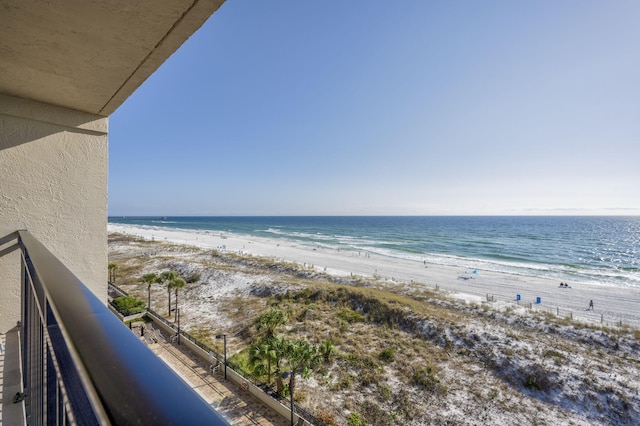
x=388 y=108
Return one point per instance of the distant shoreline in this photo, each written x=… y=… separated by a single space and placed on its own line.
x=611 y=304
x=595 y=250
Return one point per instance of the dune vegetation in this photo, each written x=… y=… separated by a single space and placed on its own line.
x=376 y=352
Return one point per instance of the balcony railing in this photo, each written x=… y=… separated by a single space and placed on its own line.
x=82 y=366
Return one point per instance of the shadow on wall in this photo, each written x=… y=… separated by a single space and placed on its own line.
x=23 y=121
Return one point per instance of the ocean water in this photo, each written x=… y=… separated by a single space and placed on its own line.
x=601 y=250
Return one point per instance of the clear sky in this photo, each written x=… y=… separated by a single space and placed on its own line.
x=389 y=108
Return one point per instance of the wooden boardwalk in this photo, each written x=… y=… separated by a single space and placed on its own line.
x=235 y=405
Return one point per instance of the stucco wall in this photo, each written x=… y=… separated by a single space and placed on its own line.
x=53 y=182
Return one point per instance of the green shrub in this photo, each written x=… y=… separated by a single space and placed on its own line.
x=427 y=379
x=327 y=349
x=128 y=305
x=346 y=382
x=385 y=391
x=195 y=277
x=350 y=316
x=387 y=355
x=354 y=419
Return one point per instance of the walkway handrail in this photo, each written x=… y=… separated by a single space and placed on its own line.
x=94 y=356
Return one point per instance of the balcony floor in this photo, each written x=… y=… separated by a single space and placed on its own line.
x=235 y=405
x=10 y=413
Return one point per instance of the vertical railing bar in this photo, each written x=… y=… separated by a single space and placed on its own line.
x=61 y=389
x=59 y=406
x=21 y=367
x=51 y=384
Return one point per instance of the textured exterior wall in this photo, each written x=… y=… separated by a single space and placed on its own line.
x=53 y=182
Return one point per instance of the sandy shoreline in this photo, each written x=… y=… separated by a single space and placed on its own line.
x=611 y=304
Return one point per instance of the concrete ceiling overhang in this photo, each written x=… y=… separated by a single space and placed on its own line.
x=90 y=55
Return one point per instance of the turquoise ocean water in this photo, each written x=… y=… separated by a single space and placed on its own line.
x=602 y=250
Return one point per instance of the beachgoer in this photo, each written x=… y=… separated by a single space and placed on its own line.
x=591 y=304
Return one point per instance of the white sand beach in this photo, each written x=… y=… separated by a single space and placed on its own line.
x=612 y=305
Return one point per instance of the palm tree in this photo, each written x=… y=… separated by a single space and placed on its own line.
x=112 y=272
x=166 y=278
x=302 y=356
x=260 y=354
x=150 y=279
x=279 y=344
x=269 y=321
x=177 y=283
